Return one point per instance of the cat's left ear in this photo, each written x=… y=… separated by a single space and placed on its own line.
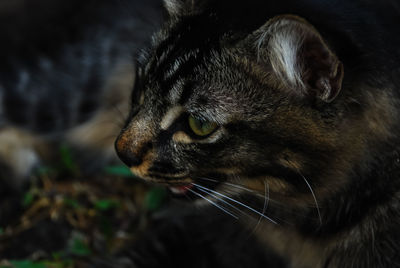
x=299 y=57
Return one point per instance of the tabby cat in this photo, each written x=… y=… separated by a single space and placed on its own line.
x=65 y=75
x=282 y=114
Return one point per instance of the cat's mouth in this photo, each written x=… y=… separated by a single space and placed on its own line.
x=181 y=190
x=196 y=189
x=187 y=186
x=177 y=185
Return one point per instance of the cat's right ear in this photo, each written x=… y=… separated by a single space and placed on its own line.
x=183 y=7
x=299 y=57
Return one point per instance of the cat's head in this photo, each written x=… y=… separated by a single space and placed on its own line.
x=241 y=107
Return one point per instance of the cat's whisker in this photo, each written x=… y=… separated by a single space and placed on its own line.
x=266 y=201
x=219 y=199
x=237 y=202
x=122 y=117
x=234 y=187
x=213 y=203
x=230 y=184
x=241 y=187
x=313 y=194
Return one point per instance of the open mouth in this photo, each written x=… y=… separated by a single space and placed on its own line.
x=186 y=186
x=196 y=189
x=181 y=190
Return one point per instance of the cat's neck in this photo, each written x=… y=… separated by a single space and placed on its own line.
x=374 y=185
x=355 y=216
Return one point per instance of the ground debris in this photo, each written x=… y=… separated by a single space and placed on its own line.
x=58 y=222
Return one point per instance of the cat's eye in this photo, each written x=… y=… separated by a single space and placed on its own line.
x=201 y=127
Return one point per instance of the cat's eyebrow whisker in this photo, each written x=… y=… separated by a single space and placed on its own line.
x=213 y=203
x=235 y=201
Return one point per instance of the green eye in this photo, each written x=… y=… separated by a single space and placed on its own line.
x=201 y=128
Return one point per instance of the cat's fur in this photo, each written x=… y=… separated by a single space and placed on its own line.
x=66 y=73
x=305 y=94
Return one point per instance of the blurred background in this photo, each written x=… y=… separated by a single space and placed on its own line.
x=66 y=72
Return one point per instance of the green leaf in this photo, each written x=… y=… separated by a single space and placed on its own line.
x=1 y=231
x=105 y=204
x=118 y=171
x=67 y=159
x=27 y=264
x=80 y=248
x=154 y=198
x=59 y=260
x=71 y=203
x=53 y=264
x=106 y=227
x=44 y=170
x=28 y=199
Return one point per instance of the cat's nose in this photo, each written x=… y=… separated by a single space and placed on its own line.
x=126 y=154
x=129 y=158
x=134 y=145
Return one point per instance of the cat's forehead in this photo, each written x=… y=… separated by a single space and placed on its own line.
x=213 y=90
x=201 y=75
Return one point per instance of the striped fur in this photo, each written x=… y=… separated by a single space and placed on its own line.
x=304 y=103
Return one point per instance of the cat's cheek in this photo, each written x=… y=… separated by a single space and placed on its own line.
x=274 y=184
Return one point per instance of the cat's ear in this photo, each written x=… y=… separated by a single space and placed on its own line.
x=183 y=7
x=299 y=57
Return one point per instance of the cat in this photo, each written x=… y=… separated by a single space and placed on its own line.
x=282 y=114
x=66 y=75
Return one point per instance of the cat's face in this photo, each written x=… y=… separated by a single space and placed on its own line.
x=250 y=111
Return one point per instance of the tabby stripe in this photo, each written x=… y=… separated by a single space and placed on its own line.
x=165 y=49
x=179 y=61
x=168 y=65
x=170 y=117
x=184 y=70
x=164 y=46
x=175 y=39
x=174 y=36
x=176 y=91
x=293 y=177
x=297 y=146
x=186 y=93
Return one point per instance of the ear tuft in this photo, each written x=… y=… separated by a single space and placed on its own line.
x=174 y=7
x=300 y=57
x=183 y=7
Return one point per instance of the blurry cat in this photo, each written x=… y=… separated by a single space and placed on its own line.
x=66 y=74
